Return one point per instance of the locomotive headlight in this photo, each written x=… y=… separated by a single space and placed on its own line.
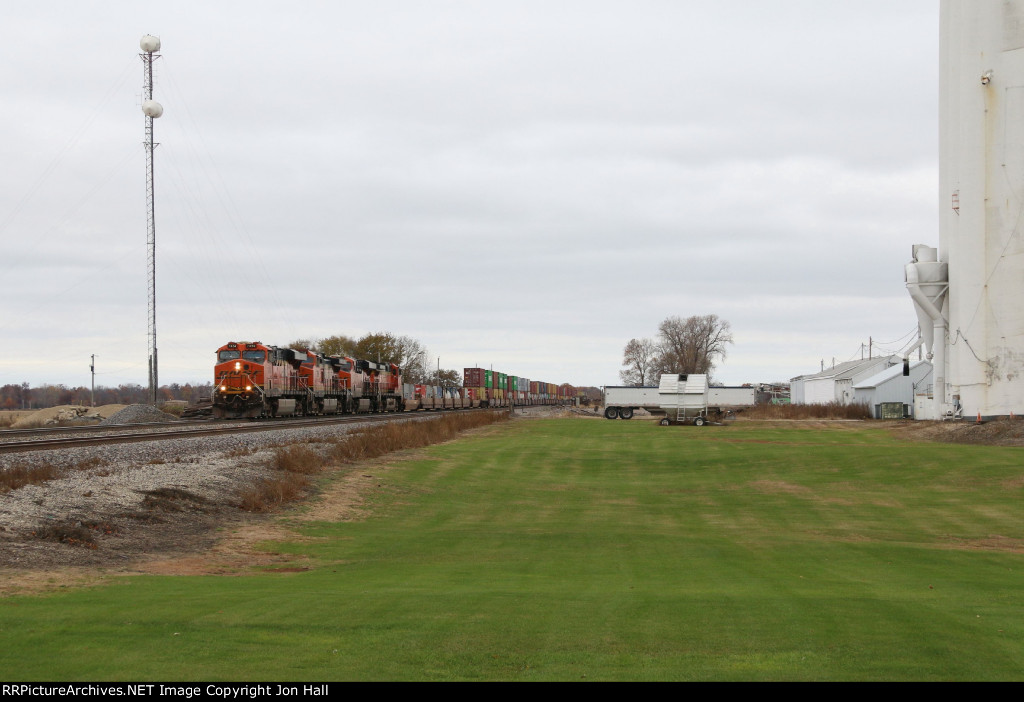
x=223 y=388
x=248 y=388
x=238 y=365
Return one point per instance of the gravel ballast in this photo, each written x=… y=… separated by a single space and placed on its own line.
x=137 y=498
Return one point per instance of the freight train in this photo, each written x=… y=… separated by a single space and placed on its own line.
x=252 y=380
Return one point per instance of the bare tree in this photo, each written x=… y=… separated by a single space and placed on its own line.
x=639 y=358
x=693 y=345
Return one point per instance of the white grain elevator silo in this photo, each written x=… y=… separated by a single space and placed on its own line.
x=978 y=319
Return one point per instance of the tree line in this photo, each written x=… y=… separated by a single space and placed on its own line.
x=682 y=346
x=22 y=396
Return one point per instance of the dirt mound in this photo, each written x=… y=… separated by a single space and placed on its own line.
x=999 y=432
x=65 y=413
x=139 y=414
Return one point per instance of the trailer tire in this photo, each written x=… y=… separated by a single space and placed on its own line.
x=611 y=412
x=664 y=422
x=626 y=413
x=699 y=421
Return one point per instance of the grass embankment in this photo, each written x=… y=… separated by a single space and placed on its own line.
x=295 y=465
x=576 y=549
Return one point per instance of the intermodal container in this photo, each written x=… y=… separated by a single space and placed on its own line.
x=474 y=377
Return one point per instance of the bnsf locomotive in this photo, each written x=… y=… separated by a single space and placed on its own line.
x=253 y=380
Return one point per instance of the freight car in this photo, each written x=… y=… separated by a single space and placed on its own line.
x=502 y=390
x=253 y=380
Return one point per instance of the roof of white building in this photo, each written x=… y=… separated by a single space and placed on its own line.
x=845 y=371
x=888 y=374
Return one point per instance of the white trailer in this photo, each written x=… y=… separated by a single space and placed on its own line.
x=732 y=396
x=621 y=402
x=680 y=398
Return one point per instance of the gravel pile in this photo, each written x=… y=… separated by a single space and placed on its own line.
x=139 y=414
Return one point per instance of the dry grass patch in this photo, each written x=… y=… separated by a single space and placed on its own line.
x=268 y=493
x=397 y=436
x=71 y=533
x=89 y=464
x=297 y=458
x=832 y=410
x=170 y=499
x=22 y=474
x=19 y=475
x=778 y=487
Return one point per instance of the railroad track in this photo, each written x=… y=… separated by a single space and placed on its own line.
x=92 y=436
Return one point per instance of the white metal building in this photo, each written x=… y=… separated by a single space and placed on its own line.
x=836 y=384
x=891 y=386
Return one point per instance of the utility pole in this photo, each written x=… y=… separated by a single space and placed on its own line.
x=152 y=109
x=92 y=390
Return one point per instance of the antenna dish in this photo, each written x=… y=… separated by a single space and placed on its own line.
x=152 y=108
x=149 y=43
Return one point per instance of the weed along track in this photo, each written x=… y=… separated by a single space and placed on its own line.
x=118 y=499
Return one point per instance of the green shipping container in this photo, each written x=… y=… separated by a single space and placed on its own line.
x=489 y=379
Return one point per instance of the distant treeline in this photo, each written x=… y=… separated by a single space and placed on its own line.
x=16 y=397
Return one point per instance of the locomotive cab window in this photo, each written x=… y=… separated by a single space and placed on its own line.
x=255 y=356
x=228 y=356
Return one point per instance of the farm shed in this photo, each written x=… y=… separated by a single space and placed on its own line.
x=836 y=384
x=891 y=386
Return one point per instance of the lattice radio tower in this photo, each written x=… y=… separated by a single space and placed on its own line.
x=152 y=109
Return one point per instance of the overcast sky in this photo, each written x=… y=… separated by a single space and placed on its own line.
x=523 y=185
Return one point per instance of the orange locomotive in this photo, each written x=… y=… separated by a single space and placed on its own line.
x=254 y=380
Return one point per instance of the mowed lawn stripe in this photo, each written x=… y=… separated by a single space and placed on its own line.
x=583 y=549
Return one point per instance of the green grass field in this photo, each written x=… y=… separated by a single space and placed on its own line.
x=593 y=550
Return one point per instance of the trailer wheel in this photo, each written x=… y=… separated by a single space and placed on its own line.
x=664 y=422
x=611 y=412
x=699 y=421
x=626 y=413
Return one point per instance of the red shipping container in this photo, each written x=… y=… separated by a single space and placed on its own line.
x=474 y=377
